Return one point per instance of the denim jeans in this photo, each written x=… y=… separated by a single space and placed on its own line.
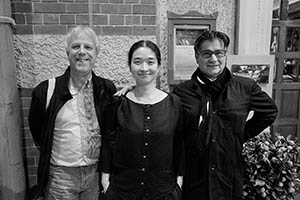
x=73 y=183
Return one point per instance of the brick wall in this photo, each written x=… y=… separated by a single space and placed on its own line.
x=109 y=17
x=31 y=154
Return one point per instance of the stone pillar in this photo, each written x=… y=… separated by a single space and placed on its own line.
x=254 y=26
x=254 y=32
x=12 y=176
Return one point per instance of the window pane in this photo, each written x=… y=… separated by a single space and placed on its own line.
x=291 y=70
x=292 y=39
x=276 y=9
x=293 y=9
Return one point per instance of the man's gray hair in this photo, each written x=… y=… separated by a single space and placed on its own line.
x=78 y=30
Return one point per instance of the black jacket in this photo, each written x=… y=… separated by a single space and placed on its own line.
x=214 y=171
x=41 y=121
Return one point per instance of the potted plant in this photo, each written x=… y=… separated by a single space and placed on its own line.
x=271 y=167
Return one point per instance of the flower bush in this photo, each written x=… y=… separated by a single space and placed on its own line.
x=271 y=167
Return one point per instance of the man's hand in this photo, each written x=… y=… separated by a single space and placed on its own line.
x=105 y=181
x=124 y=90
x=180 y=181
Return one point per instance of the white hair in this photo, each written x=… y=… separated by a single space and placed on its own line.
x=78 y=30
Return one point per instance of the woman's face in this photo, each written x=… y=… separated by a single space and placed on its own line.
x=144 y=66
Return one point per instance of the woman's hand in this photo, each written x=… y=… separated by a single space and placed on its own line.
x=105 y=181
x=124 y=90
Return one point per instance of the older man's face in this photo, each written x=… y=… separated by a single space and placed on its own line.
x=211 y=58
x=82 y=54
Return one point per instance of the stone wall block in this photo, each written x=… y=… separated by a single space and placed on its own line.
x=144 y=30
x=132 y=1
x=133 y=20
x=34 y=18
x=67 y=19
x=148 y=20
x=82 y=19
x=117 y=30
x=49 y=7
x=147 y=1
x=21 y=7
x=115 y=9
x=51 y=18
x=19 y=18
x=144 y=9
x=116 y=1
x=23 y=29
x=116 y=19
x=100 y=19
x=77 y=8
x=49 y=29
x=68 y=1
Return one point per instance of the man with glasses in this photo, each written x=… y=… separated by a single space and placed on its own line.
x=216 y=105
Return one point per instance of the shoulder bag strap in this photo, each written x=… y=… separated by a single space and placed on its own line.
x=51 y=86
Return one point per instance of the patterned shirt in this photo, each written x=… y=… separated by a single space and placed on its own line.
x=77 y=136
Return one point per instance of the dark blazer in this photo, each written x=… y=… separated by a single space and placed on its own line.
x=214 y=171
x=42 y=121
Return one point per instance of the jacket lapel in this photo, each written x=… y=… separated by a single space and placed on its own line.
x=98 y=91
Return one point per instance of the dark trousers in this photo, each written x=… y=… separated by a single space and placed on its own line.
x=114 y=195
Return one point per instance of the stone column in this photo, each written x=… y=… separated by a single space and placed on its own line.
x=254 y=26
x=12 y=176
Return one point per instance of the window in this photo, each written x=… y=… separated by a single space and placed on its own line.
x=183 y=31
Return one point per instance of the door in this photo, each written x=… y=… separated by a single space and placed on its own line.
x=285 y=44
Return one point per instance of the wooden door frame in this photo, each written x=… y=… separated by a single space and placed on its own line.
x=278 y=85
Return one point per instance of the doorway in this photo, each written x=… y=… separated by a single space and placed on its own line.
x=285 y=45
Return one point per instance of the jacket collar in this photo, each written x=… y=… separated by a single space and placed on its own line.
x=63 y=83
x=196 y=85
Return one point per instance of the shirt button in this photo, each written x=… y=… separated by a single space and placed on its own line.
x=213 y=167
x=148 y=117
x=147 y=130
x=144 y=156
x=143 y=169
x=142 y=183
x=146 y=143
x=214 y=139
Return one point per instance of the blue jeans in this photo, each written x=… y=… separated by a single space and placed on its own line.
x=73 y=183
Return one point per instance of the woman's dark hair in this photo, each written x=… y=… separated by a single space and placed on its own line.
x=210 y=35
x=144 y=43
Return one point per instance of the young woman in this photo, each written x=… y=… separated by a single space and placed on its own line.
x=142 y=155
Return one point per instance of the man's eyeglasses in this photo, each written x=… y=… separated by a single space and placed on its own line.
x=217 y=53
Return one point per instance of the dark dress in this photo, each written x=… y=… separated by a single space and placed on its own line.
x=143 y=148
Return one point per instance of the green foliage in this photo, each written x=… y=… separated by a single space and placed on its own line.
x=271 y=168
